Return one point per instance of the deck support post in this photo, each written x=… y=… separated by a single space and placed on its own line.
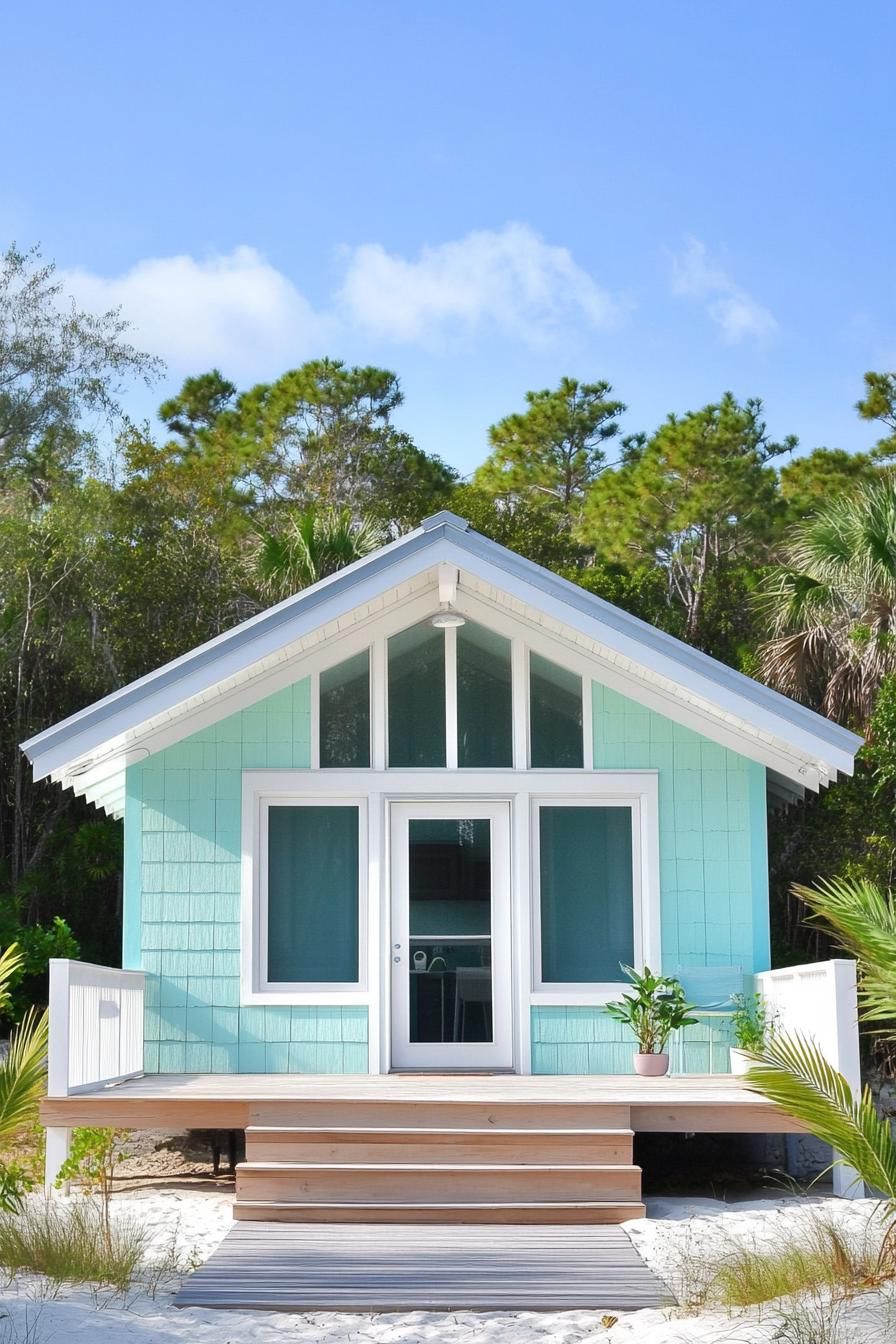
x=57 y=1151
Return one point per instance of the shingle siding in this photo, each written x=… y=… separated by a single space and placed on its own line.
x=182 y=905
x=182 y=894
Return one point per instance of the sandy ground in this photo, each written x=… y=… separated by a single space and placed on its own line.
x=671 y=1241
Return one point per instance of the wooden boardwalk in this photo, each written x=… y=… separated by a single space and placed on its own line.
x=304 y=1267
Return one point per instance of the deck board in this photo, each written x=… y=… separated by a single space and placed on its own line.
x=692 y=1102
x=301 y=1267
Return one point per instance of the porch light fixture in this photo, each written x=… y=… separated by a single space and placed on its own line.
x=446 y=619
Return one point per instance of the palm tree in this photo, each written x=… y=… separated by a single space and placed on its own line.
x=793 y=1072
x=22 y=1073
x=314 y=544
x=831 y=607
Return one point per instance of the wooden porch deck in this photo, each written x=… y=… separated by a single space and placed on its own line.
x=693 y=1103
x=291 y=1267
x=429 y=1149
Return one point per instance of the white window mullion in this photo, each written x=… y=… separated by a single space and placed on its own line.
x=519 y=677
x=587 y=728
x=378 y=704
x=315 y=720
x=451 y=698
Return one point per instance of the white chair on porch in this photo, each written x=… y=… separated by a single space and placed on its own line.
x=711 y=989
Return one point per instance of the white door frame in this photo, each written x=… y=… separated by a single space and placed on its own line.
x=435 y=1056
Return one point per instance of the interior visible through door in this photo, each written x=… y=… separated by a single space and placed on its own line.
x=450 y=930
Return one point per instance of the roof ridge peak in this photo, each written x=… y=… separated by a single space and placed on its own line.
x=444 y=518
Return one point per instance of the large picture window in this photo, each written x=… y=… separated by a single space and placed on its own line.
x=310 y=899
x=586 y=888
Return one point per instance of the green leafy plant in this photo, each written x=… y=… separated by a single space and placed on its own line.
x=750 y=1022
x=35 y=944
x=22 y=1077
x=92 y=1159
x=655 y=1009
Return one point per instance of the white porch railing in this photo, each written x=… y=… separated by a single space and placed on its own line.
x=819 y=1001
x=96 y=1026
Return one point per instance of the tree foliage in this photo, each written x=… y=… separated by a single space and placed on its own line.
x=556 y=448
x=312 y=545
x=698 y=501
x=125 y=545
x=830 y=609
x=879 y=403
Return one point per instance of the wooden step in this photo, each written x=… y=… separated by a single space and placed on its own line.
x=425 y=1183
x=432 y=1113
x=546 y=1213
x=567 y=1147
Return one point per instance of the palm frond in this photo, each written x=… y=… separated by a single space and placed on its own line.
x=23 y=1072
x=837 y=581
x=863 y=920
x=11 y=959
x=792 y=1071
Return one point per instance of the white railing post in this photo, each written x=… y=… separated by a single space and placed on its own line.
x=58 y=1145
x=96 y=1038
x=845 y=1028
x=819 y=1002
x=59 y=1050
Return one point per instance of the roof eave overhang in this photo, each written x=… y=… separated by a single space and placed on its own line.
x=89 y=751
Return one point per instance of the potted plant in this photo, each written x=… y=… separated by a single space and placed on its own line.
x=752 y=1029
x=655 y=1009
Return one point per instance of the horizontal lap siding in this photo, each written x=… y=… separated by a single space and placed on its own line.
x=182 y=880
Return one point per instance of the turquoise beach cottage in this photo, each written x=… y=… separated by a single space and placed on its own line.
x=410 y=822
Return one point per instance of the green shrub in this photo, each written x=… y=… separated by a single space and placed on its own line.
x=92 y=1159
x=36 y=943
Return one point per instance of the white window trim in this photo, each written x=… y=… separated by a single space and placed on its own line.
x=645 y=888
x=255 y=988
x=522 y=789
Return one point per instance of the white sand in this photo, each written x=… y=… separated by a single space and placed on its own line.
x=675 y=1235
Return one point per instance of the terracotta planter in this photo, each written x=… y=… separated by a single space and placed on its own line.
x=651 y=1066
x=740 y=1061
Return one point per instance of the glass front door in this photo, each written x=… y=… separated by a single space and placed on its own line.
x=450 y=944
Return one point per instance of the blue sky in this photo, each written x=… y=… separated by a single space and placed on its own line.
x=681 y=198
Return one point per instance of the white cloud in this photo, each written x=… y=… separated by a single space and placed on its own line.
x=735 y=312
x=235 y=310
x=508 y=278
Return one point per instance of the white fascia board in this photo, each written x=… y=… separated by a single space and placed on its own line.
x=442 y=539
x=197 y=673
x=734 y=694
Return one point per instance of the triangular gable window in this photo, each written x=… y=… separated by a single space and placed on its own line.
x=449 y=701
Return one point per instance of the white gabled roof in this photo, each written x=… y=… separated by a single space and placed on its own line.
x=89 y=750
